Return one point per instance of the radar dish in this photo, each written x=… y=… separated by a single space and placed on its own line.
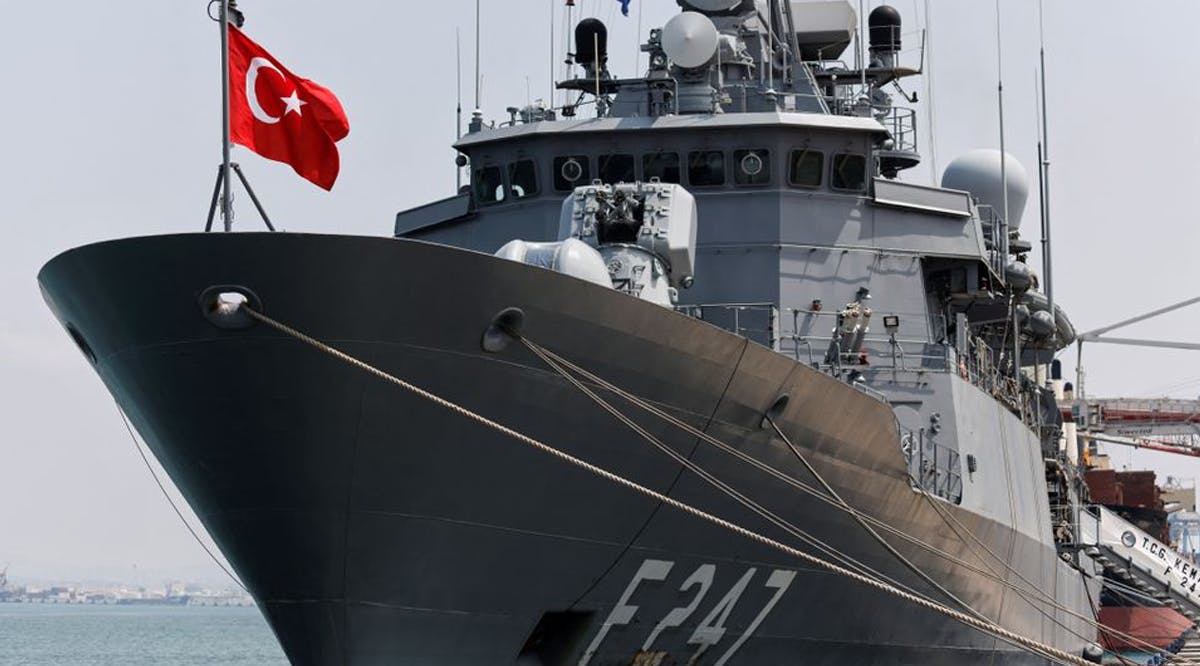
x=714 y=5
x=689 y=39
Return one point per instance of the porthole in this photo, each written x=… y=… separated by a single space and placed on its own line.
x=751 y=164
x=571 y=171
x=753 y=167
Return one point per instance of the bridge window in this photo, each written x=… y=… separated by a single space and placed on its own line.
x=571 y=171
x=806 y=167
x=849 y=172
x=706 y=168
x=617 y=169
x=489 y=185
x=752 y=167
x=663 y=166
x=522 y=179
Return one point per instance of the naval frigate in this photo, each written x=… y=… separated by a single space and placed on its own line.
x=786 y=334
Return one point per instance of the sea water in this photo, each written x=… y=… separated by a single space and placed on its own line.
x=98 y=635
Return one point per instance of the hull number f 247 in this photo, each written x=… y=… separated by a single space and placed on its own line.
x=709 y=632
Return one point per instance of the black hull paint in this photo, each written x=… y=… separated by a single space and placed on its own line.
x=376 y=528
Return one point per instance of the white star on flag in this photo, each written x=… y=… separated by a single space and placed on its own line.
x=293 y=104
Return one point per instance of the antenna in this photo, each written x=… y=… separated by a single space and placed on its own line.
x=1003 y=244
x=1044 y=168
x=927 y=55
x=550 y=98
x=771 y=46
x=862 y=46
x=568 y=62
x=458 y=106
x=637 y=43
x=1000 y=106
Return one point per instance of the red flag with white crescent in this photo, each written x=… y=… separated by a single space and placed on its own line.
x=282 y=116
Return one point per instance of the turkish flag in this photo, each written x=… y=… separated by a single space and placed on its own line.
x=281 y=116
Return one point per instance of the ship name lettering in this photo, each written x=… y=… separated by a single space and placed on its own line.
x=711 y=629
x=1154 y=548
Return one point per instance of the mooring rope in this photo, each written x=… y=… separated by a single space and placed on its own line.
x=1040 y=596
x=830 y=496
x=986 y=627
x=543 y=353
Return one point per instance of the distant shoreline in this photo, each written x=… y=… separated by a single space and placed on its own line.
x=187 y=601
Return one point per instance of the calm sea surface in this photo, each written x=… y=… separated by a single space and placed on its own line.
x=62 y=635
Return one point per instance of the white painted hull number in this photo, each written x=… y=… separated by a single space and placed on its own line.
x=710 y=630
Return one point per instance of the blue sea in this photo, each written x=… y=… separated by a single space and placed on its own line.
x=87 y=635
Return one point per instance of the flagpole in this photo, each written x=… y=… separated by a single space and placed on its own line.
x=226 y=198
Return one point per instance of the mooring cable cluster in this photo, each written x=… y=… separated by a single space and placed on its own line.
x=832 y=498
x=983 y=625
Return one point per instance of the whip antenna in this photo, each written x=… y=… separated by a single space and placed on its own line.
x=1044 y=168
x=458 y=105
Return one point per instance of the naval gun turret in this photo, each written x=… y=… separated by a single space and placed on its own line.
x=646 y=233
x=639 y=238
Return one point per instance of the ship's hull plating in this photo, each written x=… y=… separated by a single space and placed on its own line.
x=376 y=528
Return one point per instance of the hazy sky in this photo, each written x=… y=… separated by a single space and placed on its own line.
x=111 y=119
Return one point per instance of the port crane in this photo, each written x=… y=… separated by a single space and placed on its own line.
x=1168 y=425
x=1164 y=424
x=1098 y=335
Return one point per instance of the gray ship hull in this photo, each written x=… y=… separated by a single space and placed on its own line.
x=376 y=528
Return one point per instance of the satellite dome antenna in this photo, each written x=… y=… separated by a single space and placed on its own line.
x=690 y=40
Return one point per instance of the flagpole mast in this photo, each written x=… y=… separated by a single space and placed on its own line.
x=478 y=76
x=226 y=195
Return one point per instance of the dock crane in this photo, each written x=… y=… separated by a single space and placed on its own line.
x=1166 y=425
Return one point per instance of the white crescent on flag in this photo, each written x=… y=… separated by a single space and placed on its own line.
x=252 y=93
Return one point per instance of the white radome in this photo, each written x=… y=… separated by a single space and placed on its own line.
x=690 y=39
x=978 y=172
